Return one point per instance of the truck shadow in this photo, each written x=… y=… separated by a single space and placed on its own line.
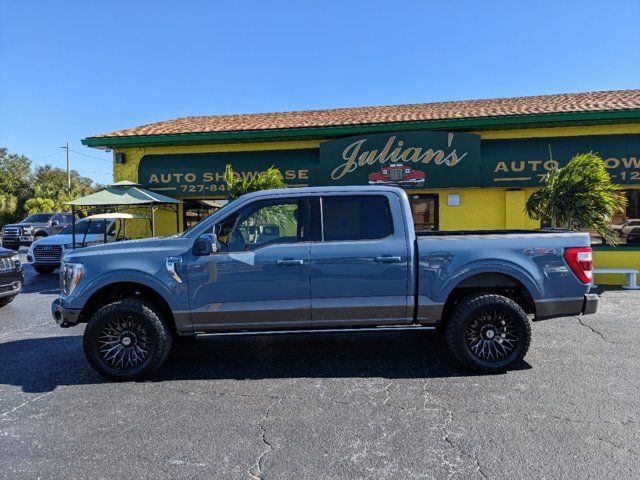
x=46 y=284
x=42 y=364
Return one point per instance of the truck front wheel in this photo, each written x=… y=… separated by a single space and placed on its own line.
x=488 y=332
x=127 y=340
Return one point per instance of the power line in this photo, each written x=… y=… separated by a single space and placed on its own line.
x=91 y=156
x=45 y=156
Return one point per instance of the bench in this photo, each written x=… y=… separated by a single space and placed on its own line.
x=631 y=274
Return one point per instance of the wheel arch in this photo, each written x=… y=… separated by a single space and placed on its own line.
x=126 y=289
x=496 y=282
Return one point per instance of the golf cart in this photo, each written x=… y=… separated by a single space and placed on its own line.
x=46 y=254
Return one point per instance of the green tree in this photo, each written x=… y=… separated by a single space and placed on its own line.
x=8 y=205
x=40 y=205
x=15 y=172
x=51 y=182
x=238 y=186
x=579 y=196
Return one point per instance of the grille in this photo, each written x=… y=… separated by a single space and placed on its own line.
x=395 y=175
x=9 y=287
x=11 y=232
x=47 y=253
x=6 y=264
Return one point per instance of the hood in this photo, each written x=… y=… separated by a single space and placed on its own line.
x=171 y=245
x=5 y=252
x=27 y=225
x=63 y=239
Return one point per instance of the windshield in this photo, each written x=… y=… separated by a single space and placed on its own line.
x=96 y=226
x=37 y=218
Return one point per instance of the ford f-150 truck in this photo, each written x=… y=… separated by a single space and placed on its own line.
x=321 y=259
x=34 y=227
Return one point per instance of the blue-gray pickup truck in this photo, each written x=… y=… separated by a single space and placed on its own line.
x=321 y=260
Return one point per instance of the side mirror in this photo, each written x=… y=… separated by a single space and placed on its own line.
x=112 y=233
x=206 y=244
x=55 y=223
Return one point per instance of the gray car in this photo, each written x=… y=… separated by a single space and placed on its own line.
x=321 y=259
x=34 y=227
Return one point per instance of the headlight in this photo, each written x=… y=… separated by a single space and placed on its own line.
x=69 y=246
x=27 y=230
x=70 y=276
x=15 y=258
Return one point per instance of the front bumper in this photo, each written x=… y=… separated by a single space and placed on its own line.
x=65 y=317
x=11 y=282
x=22 y=241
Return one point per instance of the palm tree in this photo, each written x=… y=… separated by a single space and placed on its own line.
x=579 y=196
x=237 y=186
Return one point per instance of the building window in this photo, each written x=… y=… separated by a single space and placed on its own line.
x=633 y=205
x=195 y=211
x=424 y=209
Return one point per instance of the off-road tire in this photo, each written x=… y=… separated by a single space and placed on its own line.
x=7 y=300
x=44 y=270
x=149 y=317
x=468 y=310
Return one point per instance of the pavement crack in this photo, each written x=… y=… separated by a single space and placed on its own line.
x=581 y=322
x=255 y=471
x=24 y=404
x=387 y=392
x=446 y=436
x=532 y=416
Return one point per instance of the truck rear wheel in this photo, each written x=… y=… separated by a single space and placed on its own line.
x=488 y=332
x=127 y=340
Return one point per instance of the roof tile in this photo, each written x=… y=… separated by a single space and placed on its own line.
x=533 y=105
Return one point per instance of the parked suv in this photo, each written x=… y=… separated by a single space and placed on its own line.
x=34 y=227
x=11 y=276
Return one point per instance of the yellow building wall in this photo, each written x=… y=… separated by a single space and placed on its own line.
x=615 y=257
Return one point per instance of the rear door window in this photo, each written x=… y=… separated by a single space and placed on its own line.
x=355 y=217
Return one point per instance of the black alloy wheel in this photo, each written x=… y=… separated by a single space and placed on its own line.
x=488 y=332
x=124 y=343
x=127 y=340
x=492 y=335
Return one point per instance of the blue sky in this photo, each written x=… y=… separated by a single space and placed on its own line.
x=70 y=69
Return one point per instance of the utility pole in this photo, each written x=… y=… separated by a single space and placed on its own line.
x=66 y=147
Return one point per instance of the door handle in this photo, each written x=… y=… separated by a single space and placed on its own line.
x=289 y=262
x=388 y=259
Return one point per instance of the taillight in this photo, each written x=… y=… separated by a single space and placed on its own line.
x=580 y=261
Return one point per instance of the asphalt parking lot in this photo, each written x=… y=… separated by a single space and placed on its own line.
x=392 y=405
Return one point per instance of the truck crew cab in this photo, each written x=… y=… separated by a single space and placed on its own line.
x=321 y=259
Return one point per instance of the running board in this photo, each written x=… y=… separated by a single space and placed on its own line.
x=317 y=330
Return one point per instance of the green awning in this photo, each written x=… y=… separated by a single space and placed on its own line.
x=123 y=193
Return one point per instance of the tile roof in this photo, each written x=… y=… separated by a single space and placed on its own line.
x=497 y=107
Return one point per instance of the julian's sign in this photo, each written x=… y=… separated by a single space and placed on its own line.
x=412 y=160
x=406 y=159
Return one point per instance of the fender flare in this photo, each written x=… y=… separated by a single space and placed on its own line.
x=134 y=276
x=480 y=267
